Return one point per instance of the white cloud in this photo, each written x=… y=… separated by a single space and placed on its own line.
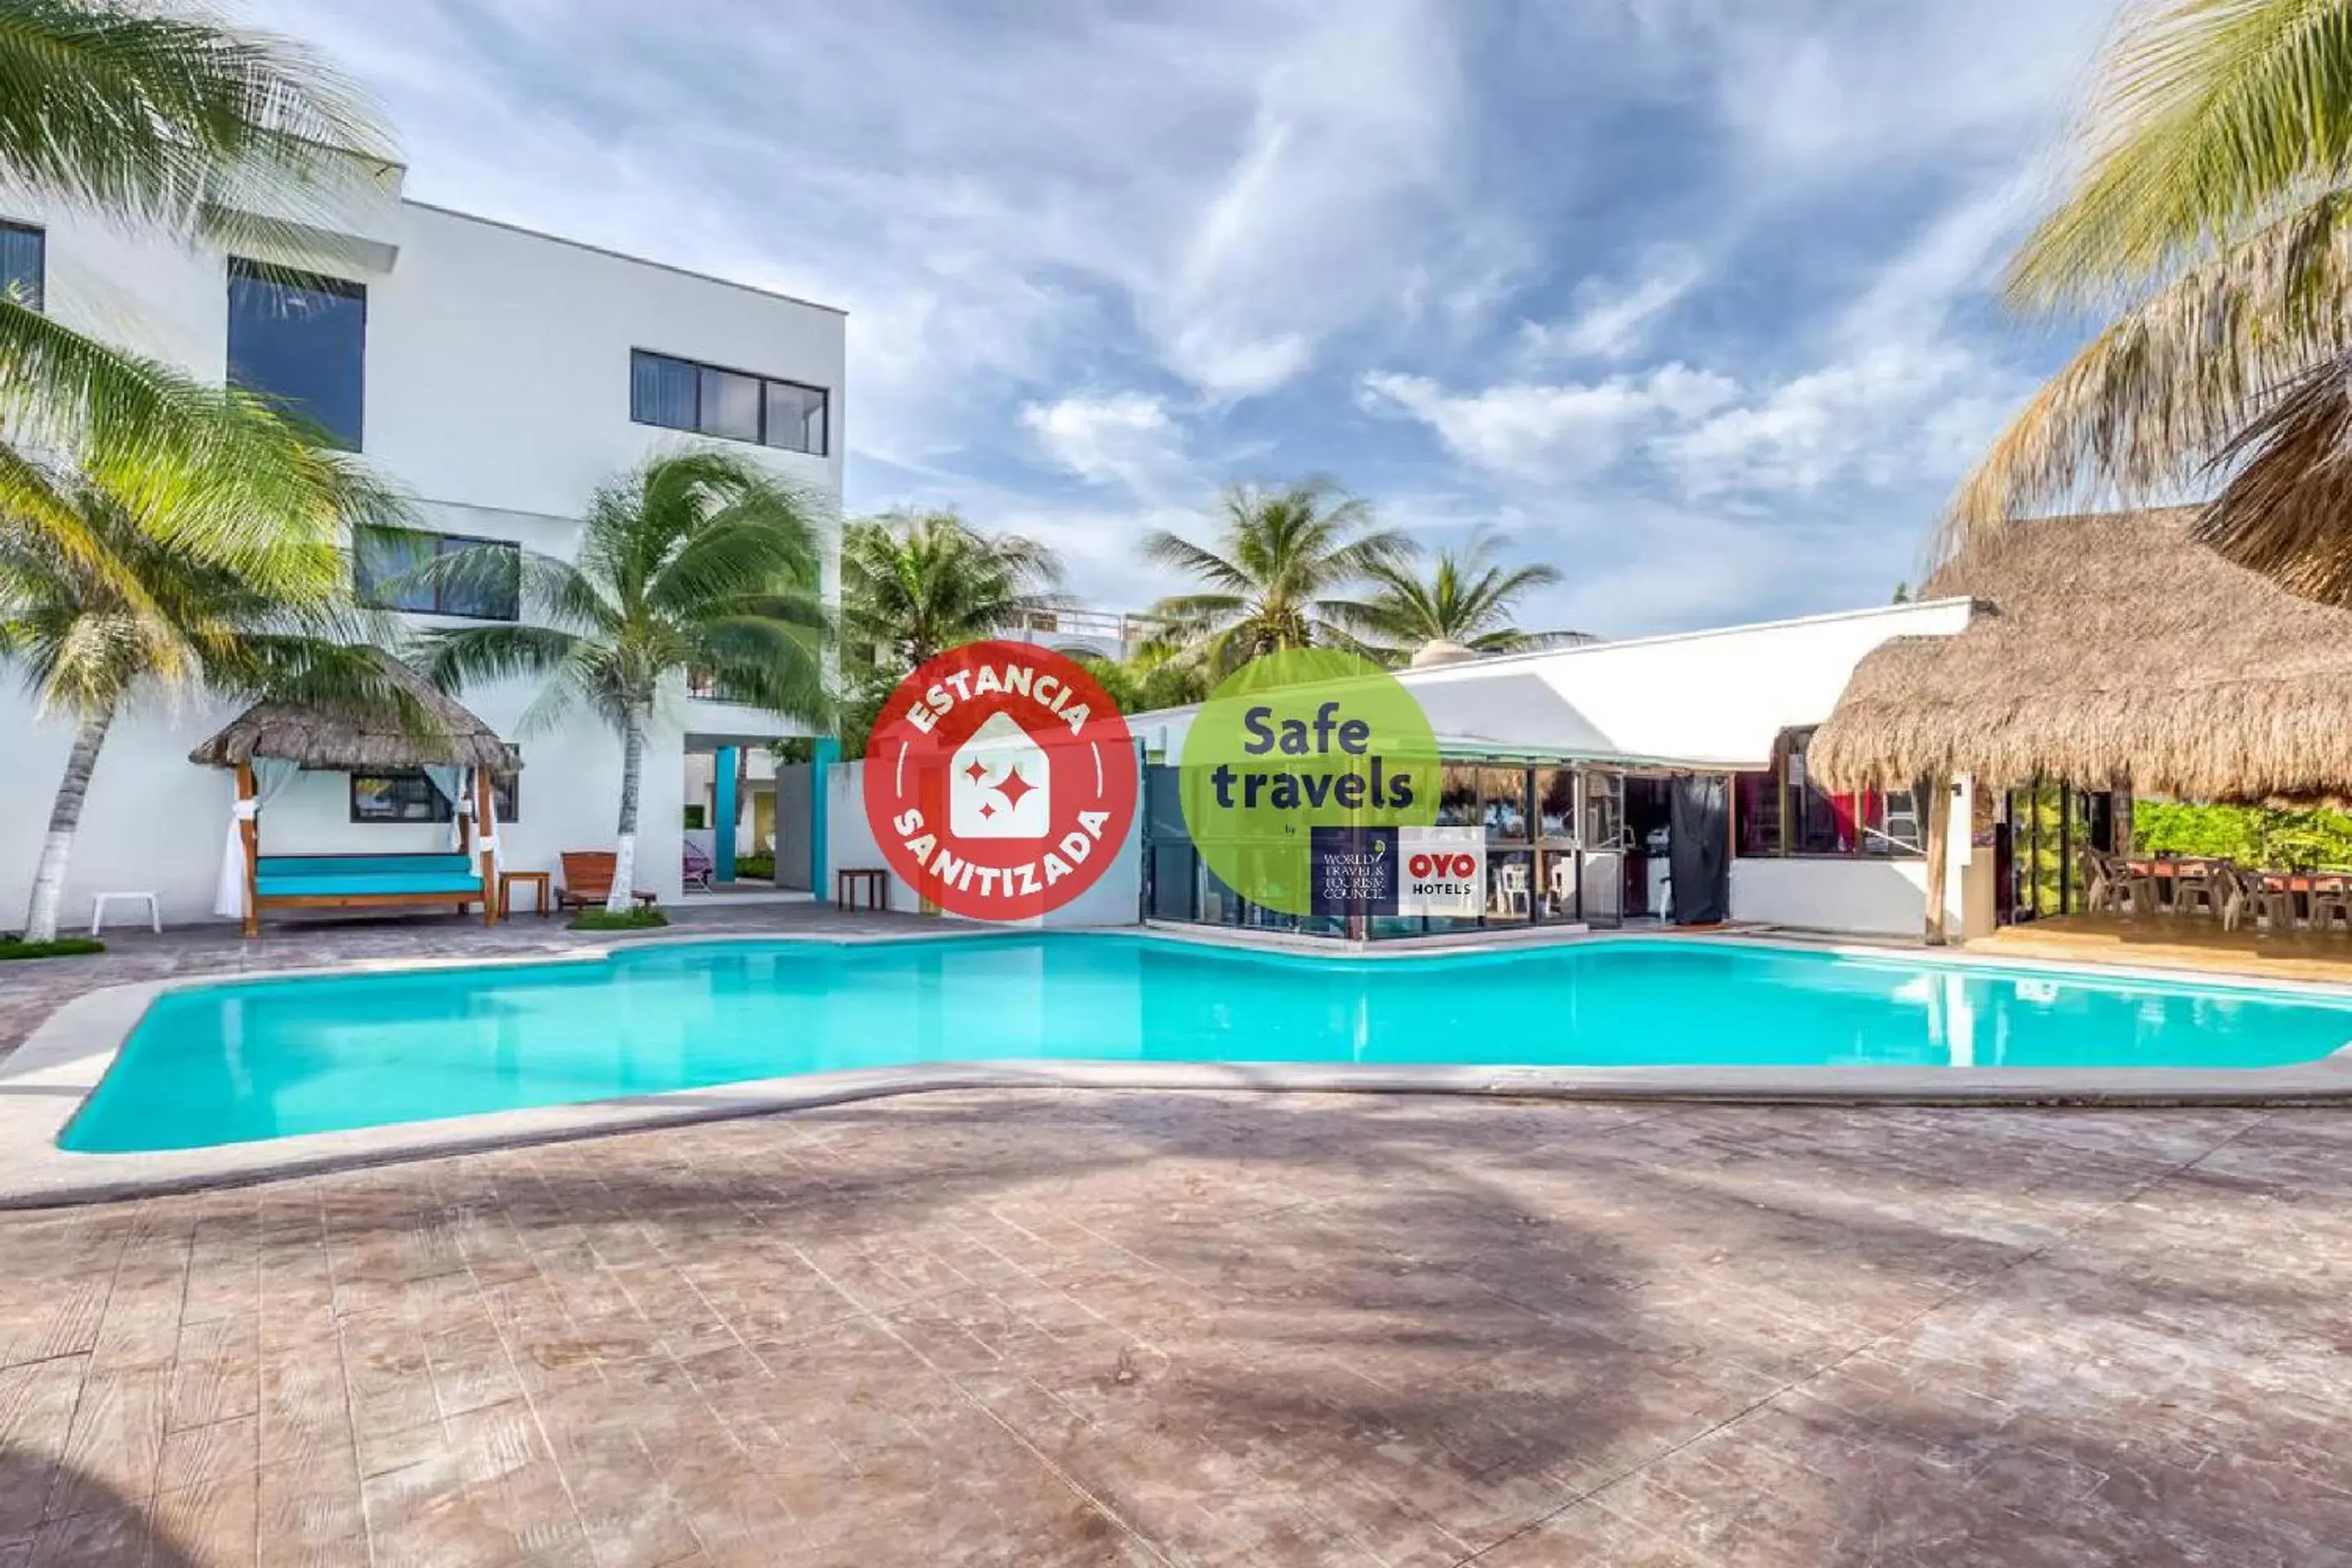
x=1821 y=89
x=1533 y=429
x=1844 y=419
x=1126 y=439
x=1613 y=320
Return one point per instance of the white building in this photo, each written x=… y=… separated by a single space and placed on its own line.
x=1572 y=758
x=495 y=374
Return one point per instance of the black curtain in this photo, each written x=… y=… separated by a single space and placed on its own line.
x=1702 y=849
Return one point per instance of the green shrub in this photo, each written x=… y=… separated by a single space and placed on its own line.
x=2250 y=834
x=644 y=917
x=762 y=866
x=694 y=817
x=64 y=947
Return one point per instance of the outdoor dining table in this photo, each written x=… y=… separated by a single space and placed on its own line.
x=2170 y=870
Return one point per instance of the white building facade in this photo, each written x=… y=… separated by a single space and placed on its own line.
x=495 y=375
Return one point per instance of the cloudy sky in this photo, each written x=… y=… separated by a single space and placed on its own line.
x=1687 y=297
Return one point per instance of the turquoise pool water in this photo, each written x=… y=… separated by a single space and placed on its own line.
x=223 y=1064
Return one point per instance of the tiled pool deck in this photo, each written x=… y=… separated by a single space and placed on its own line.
x=1068 y=1328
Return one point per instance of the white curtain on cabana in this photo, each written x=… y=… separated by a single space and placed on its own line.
x=455 y=785
x=490 y=829
x=270 y=774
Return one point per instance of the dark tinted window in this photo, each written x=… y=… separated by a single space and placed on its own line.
x=301 y=341
x=407 y=795
x=681 y=395
x=23 y=259
x=482 y=579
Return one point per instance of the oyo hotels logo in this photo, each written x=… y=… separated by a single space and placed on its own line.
x=1000 y=780
x=1458 y=867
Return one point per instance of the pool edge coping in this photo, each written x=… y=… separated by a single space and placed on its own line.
x=44 y=1082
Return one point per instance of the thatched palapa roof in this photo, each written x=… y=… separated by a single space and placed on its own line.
x=423 y=726
x=2103 y=650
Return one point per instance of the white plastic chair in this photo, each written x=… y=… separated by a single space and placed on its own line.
x=1516 y=900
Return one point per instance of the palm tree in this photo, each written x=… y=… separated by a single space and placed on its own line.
x=1467 y=599
x=914 y=584
x=179 y=125
x=87 y=646
x=1273 y=578
x=2212 y=220
x=696 y=564
x=1151 y=678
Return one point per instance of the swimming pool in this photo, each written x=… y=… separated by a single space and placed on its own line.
x=230 y=1063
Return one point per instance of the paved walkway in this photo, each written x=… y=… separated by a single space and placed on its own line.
x=1075 y=1329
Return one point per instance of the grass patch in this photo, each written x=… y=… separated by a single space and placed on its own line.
x=645 y=917
x=64 y=947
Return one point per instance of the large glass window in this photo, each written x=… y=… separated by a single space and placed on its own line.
x=1556 y=803
x=301 y=341
x=481 y=579
x=1792 y=814
x=1756 y=805
x=1502 y=801
x=1457 y=796
x=23 y=264
x=683 y=394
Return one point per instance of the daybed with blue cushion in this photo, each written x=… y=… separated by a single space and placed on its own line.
x=363 y=882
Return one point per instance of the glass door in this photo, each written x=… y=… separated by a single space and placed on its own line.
x=1601 y=879
x=1558 y=897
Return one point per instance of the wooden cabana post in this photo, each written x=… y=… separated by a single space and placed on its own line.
x=1939 y=855
x=248 y=828
x=486 y=836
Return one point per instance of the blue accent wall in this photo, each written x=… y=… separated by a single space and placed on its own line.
x=822 y=756
x=724 y=808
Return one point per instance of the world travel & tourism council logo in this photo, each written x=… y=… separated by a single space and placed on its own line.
x=1309 y=783
x=1000 y=781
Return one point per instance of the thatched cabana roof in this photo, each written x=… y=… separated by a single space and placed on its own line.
x=2107 y=649
x=434 y=731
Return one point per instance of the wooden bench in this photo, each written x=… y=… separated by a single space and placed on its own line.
x=588 y=879
x=367 y=881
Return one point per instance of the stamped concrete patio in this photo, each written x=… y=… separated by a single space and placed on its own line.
x=1064 y=1327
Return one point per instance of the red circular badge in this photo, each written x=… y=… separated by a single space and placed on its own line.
x=1000 y=780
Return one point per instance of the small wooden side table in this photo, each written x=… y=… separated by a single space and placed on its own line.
x=540 y=881
x=861 y=887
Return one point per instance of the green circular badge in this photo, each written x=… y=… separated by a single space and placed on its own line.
x=1295 y=774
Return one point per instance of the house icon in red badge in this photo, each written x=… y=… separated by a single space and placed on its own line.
x=999 y=784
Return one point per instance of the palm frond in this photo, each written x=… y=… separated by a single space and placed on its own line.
x=2283 y=513
x=177 y=122
x=209 y=469
x=461 y=657
x=2139 y=413
x=2209 y=114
